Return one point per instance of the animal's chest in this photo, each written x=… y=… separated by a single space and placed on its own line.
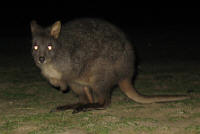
x=50 y=72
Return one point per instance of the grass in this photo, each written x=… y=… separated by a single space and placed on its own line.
x=26 y=99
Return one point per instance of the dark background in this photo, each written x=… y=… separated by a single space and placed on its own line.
x=151 y=30
x=15 y=21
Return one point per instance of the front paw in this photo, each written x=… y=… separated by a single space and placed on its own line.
x=54 y=82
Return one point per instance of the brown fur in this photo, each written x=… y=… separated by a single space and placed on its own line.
x=90 y=56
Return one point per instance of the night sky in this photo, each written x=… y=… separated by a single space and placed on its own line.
x=15 y=22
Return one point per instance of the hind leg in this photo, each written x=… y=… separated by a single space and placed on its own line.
x=98 y=94
x=86 y=100
x=98 y=97
x=83 y=99
x=90 y=98
x=103 y=95
x=91 y=105
x=76 y=107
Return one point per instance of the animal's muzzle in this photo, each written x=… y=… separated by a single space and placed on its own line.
x=41 y=59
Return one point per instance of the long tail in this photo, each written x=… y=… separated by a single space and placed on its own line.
x=126 y=86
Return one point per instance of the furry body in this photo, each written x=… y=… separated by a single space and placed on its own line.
x=90 y=56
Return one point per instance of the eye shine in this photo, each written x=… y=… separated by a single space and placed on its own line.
x=35 y=47
x=49 y=47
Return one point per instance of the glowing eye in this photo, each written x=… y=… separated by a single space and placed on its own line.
x=50 y=47
x=35 y=47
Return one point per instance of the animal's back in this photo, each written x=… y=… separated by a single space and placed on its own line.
x=98 y=45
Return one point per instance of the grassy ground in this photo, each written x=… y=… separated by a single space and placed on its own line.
x=26 y=98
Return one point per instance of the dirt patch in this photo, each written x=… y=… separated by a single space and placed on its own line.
x=24 y=129
x=167 y=118
x=6 y=85
x=74 y=132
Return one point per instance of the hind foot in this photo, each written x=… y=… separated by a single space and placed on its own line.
x=88 y=107
x=79 y=107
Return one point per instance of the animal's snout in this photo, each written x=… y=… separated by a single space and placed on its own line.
x=41 y=59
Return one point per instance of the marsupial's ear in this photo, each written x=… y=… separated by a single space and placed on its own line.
x=55 y=29
x=34 y=26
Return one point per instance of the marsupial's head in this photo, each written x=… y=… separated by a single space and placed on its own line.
x=44 y=42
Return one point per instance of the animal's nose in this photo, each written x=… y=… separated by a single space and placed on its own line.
x=41 y=59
